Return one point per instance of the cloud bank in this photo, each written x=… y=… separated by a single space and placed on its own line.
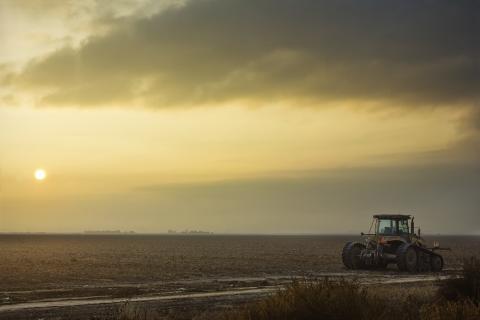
x=402 y=53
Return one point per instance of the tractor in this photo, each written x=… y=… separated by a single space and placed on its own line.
x=393 y=241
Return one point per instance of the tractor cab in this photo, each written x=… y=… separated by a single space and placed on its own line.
x=395 y=228
x=393 y=225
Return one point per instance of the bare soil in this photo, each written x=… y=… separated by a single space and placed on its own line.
x=77 y=276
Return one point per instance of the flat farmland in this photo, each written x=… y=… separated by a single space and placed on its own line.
x=41 y=272
x=46 y=261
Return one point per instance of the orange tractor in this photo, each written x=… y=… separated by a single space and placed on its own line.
x=393 y=241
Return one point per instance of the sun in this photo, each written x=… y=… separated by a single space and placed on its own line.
x=40 y=174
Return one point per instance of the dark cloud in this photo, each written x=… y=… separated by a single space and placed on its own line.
x=474 y=120
x=416 y=53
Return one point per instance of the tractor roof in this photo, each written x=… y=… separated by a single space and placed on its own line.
x=392 y=216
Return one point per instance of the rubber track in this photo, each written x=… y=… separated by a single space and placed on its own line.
x=400 y=256
x=403 y=249
x=430 y=253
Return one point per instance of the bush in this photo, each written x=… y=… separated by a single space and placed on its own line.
x=471 y=276
x=348 y=300
x=324 y=299
x=450 y=310
x=129 y=311
x=465 y=287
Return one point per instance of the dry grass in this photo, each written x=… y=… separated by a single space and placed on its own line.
x=466 y=287
x=130 y=311
x=346 y=300
x=336 y=300
x=448 y=310
x=326 y=299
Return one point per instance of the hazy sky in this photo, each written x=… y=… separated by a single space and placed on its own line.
x=272 y=116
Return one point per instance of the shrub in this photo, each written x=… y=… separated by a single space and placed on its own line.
x=129 y=311
x=465 y=287
x=321 y=299
x=451 y=310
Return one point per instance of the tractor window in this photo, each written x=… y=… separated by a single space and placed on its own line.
x=403 y=226
x=386 y=226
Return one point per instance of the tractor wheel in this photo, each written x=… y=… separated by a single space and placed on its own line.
x=436 y=262
x=351 y=255
x=407 y=258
